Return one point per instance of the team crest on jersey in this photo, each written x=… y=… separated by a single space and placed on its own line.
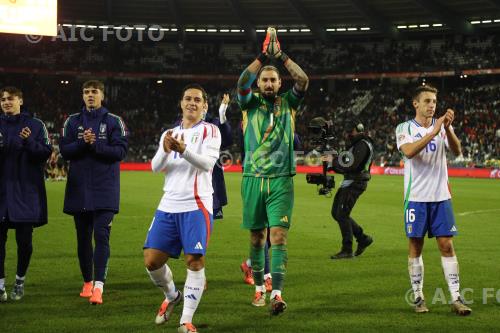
x=195 y=137
x=102 y=131
x=401 y=137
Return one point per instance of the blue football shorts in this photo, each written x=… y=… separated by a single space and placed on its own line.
x=434 y=218
x=174 y=232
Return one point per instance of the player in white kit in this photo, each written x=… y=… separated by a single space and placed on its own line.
x=427 y=198
x=183 y=220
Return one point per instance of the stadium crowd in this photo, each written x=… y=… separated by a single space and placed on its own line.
x=223 y=56
x=148 y=107
x=382 y=106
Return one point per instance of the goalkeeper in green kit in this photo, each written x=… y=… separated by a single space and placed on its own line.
x=269 y=164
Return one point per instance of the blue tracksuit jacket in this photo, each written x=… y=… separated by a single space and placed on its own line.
x=94 y=170
x=22 y=185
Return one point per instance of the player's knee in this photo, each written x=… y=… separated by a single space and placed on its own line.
x=151 y=265
x=151 y=262
x=446 y=248
x=257 y=237
x=278 y=236
x=195 y=262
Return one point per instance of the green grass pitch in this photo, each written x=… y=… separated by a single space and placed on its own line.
x=366 y=294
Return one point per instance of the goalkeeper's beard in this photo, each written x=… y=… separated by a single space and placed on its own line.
x=269 y=95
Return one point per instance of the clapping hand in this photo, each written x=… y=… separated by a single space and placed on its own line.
x=438 y=124
x=271 y=46
x=225 y=99
x=89 y=136
x=25 y=133
x=448 y=118
x=174 y=143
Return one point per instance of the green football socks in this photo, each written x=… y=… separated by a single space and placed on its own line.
x=257 y=258
x=279 y=259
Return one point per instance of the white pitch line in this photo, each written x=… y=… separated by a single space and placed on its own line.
x=478 y=212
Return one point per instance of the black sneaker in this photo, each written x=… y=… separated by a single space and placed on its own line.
x=342 y=255
x=363 y=245
x=3 y=295
x=18 y=292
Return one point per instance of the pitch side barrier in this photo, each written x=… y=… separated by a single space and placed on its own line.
x=375 y=170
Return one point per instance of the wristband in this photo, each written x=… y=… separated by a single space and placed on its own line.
x=284 y=57
x=262 y=58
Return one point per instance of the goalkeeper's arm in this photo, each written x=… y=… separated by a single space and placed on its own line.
x=246 y=79
x=300 y=77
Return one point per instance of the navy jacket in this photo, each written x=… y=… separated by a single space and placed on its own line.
x=94 y=170
x=218 y=182
x=22 y=185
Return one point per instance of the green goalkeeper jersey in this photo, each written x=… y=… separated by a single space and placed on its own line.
x=268 y=132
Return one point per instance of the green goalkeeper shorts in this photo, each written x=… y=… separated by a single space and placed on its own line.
x=267 y=202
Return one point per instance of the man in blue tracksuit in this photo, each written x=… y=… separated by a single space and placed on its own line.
x=94 y=142
x=24 y=149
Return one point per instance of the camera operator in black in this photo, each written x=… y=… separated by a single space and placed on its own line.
x=354 y=164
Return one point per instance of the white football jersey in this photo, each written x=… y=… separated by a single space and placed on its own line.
x=426 y=174
x=187 y=187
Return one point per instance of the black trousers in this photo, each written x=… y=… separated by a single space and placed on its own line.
x=344 y=201
x=24 y=240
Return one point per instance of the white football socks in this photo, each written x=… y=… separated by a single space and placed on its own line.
x=99 y=285
x=163 y=279
x=20 y=279
x=450 y=269
x=193 y=290
x=416 y=271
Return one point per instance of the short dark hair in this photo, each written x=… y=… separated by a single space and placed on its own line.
x=424 y=88
x=354 y=124
x=12 y=91
x=197 y=87
x=268 y=68
x=93 y=84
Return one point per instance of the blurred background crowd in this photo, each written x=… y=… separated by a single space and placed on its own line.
x=149 y=104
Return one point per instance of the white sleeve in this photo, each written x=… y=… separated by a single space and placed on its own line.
x=159 y=161
x=222 y=113
x=210 y=151
x=403 y=134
